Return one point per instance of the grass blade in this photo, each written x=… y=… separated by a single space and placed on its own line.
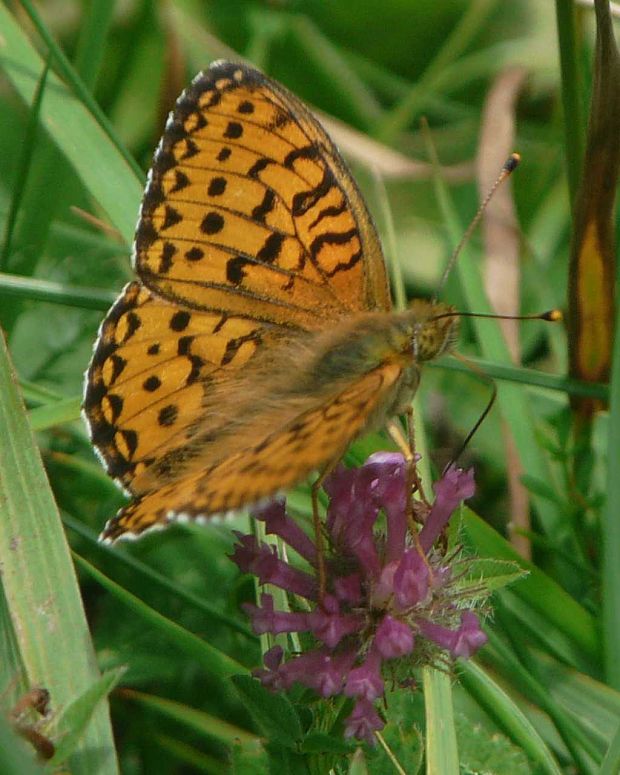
x=505 y=712
x=39 y=583
x=97 y=161
x=441 y=747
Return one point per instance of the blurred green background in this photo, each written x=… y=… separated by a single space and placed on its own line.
x=68 y=200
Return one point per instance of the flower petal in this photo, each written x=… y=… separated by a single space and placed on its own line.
x=277 y=522
x=363 y=722
x=393 y=638
x=454 y=487
x=365 y=680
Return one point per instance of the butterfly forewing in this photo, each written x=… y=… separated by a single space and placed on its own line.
x=249 y=209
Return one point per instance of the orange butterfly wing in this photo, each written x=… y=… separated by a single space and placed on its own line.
x=260 y=470
x=150 y=369
x=249 y=209
x=252 y=231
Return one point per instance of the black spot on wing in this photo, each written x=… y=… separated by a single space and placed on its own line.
x=197 y=364
x=133 y=324
x=307 y=152
x=234 y=130
x=336 y=238
x=271 y=248
x=118 y=366
x=194 y=254
x=181 y=181
x=184 y=345
x=131 y=440
x=258 y=166
x=217 y=186
x=168 y=415
x=191 y=149
x=212 y=223
x=115 y=403
x=260 y=212
x=180 y=320
x=234 y=345
x=329 y=212
x=166 y=257
x=171 y=217
x=235 y=269
x=304 y=200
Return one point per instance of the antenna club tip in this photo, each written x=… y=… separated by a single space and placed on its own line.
x=512 y=162
x=553 y=315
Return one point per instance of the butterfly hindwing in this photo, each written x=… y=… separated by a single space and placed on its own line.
x=312 y=441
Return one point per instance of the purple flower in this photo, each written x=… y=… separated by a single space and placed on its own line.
x=387 y=590
x=363 y=722
x=262 y=561
x=454 y=487
x=470 y=636
x=393 y=638
x=348 y=589
x=320 y=669
x=365 y=680
x=277 y=523
x=462 y=642
x=330 y=625
x=411 y=579
x=269 y=675
x=266 y=619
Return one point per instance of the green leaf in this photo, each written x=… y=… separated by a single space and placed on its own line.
x=216 y=662
x=491 y=574
x=441 y=744
x=56 y=413
x=482 y=751
x=273 y=713
x=538 y=591
x=321 y=742
x=611 y=763
x=401 y=740
x=251 y=759
x=542 y=489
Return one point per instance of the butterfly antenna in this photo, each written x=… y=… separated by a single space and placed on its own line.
x=485 y=378
x=508 y=168
x=552 y=316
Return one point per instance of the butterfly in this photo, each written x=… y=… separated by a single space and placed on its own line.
x=259 y=339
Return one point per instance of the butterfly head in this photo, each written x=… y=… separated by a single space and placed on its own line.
x=435 y=328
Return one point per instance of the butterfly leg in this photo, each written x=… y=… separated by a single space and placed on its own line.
x=318 y=530
x=407 y=447
x=398 y=437
x=411 y=442
x=318 y=536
